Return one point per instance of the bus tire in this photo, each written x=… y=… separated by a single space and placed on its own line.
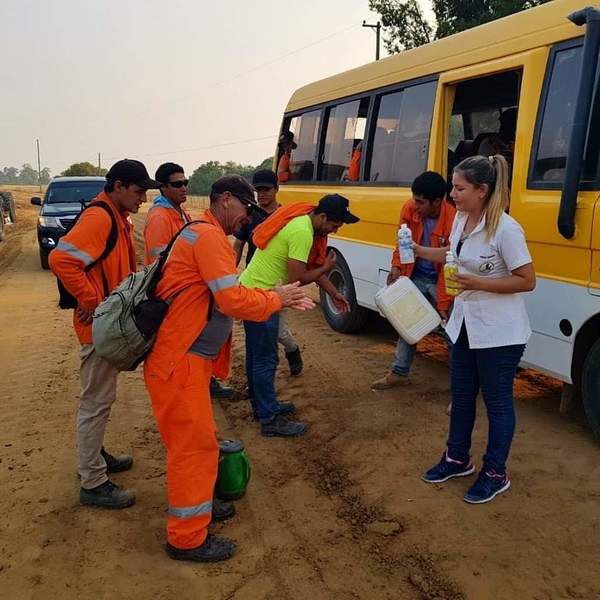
x=350 y=322
x=590 y=387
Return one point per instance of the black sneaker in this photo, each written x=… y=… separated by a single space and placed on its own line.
x=214 y=549
x=295 y=362
x=117 y=464
x=281 y=427
x=107 y=495
x=221 y=510
x=219 y=391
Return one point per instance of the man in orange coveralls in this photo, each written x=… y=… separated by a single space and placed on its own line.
x=201 y=278
x=166 y=217
x=77 y=261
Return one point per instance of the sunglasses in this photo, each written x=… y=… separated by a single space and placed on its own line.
x=246 y=203
x=179 y=184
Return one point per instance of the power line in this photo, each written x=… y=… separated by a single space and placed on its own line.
x=260 y=139
x=269 y=62
x=238 y=76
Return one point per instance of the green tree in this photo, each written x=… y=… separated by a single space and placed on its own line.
x=266 y=164
x=45 y=176
x=82 y=169
x=203 y=177
x=405 y=25
x=28 y=175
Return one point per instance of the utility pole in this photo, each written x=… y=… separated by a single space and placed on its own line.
x=377 y=28
x=99 y=164
x=39 y=165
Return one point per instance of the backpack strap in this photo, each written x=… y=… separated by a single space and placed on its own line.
x=111 y=242
x=158 y=273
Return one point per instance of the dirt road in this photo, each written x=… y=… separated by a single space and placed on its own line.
x=339 y=514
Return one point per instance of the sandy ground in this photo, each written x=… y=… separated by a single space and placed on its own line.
x=338 y=514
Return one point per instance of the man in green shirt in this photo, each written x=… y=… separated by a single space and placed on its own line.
x=285 y=259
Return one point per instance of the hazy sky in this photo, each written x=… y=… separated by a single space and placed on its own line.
x=164 y=80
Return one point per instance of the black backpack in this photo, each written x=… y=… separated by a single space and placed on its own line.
x=66 y=300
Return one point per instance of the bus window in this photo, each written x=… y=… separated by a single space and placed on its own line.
x=298 y=147
x=557 y=122
x=401 y=136
x=484 y=119
x=345 y=130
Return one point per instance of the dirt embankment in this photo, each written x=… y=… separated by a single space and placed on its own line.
x=338 y=514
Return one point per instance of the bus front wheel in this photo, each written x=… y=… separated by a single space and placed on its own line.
x=349 y=322
x=590 y=387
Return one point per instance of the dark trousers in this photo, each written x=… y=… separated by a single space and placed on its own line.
x=261 y=364
x=493 y=371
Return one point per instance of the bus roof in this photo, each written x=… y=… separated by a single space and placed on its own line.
x=540 y=26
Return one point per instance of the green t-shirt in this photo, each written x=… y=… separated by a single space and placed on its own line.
x=269 y=267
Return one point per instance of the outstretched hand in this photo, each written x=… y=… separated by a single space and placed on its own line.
x=292 y=296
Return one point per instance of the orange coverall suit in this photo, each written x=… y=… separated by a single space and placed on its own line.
x=177 y=371
x=75 y=250
x=162 y=223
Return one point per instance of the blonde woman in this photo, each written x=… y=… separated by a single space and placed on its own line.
x=489 y=326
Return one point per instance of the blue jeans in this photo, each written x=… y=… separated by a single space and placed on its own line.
x=405 y=352
x=261 y=364
x=493 y=371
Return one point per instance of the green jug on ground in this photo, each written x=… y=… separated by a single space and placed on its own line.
x=234 y=470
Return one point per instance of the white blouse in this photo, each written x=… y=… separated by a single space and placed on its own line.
x=491 y=319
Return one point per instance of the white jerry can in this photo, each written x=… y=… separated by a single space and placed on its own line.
x=409 y=312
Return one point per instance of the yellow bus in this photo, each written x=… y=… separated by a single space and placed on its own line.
x=368 y=132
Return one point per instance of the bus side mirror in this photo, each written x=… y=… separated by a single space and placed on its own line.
x=36 y=201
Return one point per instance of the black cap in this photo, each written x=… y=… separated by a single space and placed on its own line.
x=237 y=186
x=287 y=137
x=130 y=171
x=264 y=178
x=336 y=209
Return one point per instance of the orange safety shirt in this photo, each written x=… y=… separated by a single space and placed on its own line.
x=283 y=168
x=162 y=223
x=354 y=168
x=81 y=246
x=202 y=262
x=440 y=236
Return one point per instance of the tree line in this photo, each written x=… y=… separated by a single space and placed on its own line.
x=26 y=175
x=200 y=180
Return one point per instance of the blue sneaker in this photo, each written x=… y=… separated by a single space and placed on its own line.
x=446 y=469
x=488 y=485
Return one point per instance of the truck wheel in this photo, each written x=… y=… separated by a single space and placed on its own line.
x=8 y=203
x=590 y=387
x=44 y=259
x=341 y=278
x=12 y=208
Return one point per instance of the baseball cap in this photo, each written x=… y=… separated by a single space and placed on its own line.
x=237 y=186
x=336 y=209
x=130 y=171
x=287 y=136
x=264 y=178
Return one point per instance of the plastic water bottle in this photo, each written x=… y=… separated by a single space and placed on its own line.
x=407 y=254
x=450 y=270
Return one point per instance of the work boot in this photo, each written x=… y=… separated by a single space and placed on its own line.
x=285 y=408
x=221 y=510
x=391 y=380
x=214 y=549
x=116 y=464
x=295 y=362
x=218 y=391
x=107 y=495
x=281 y=427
